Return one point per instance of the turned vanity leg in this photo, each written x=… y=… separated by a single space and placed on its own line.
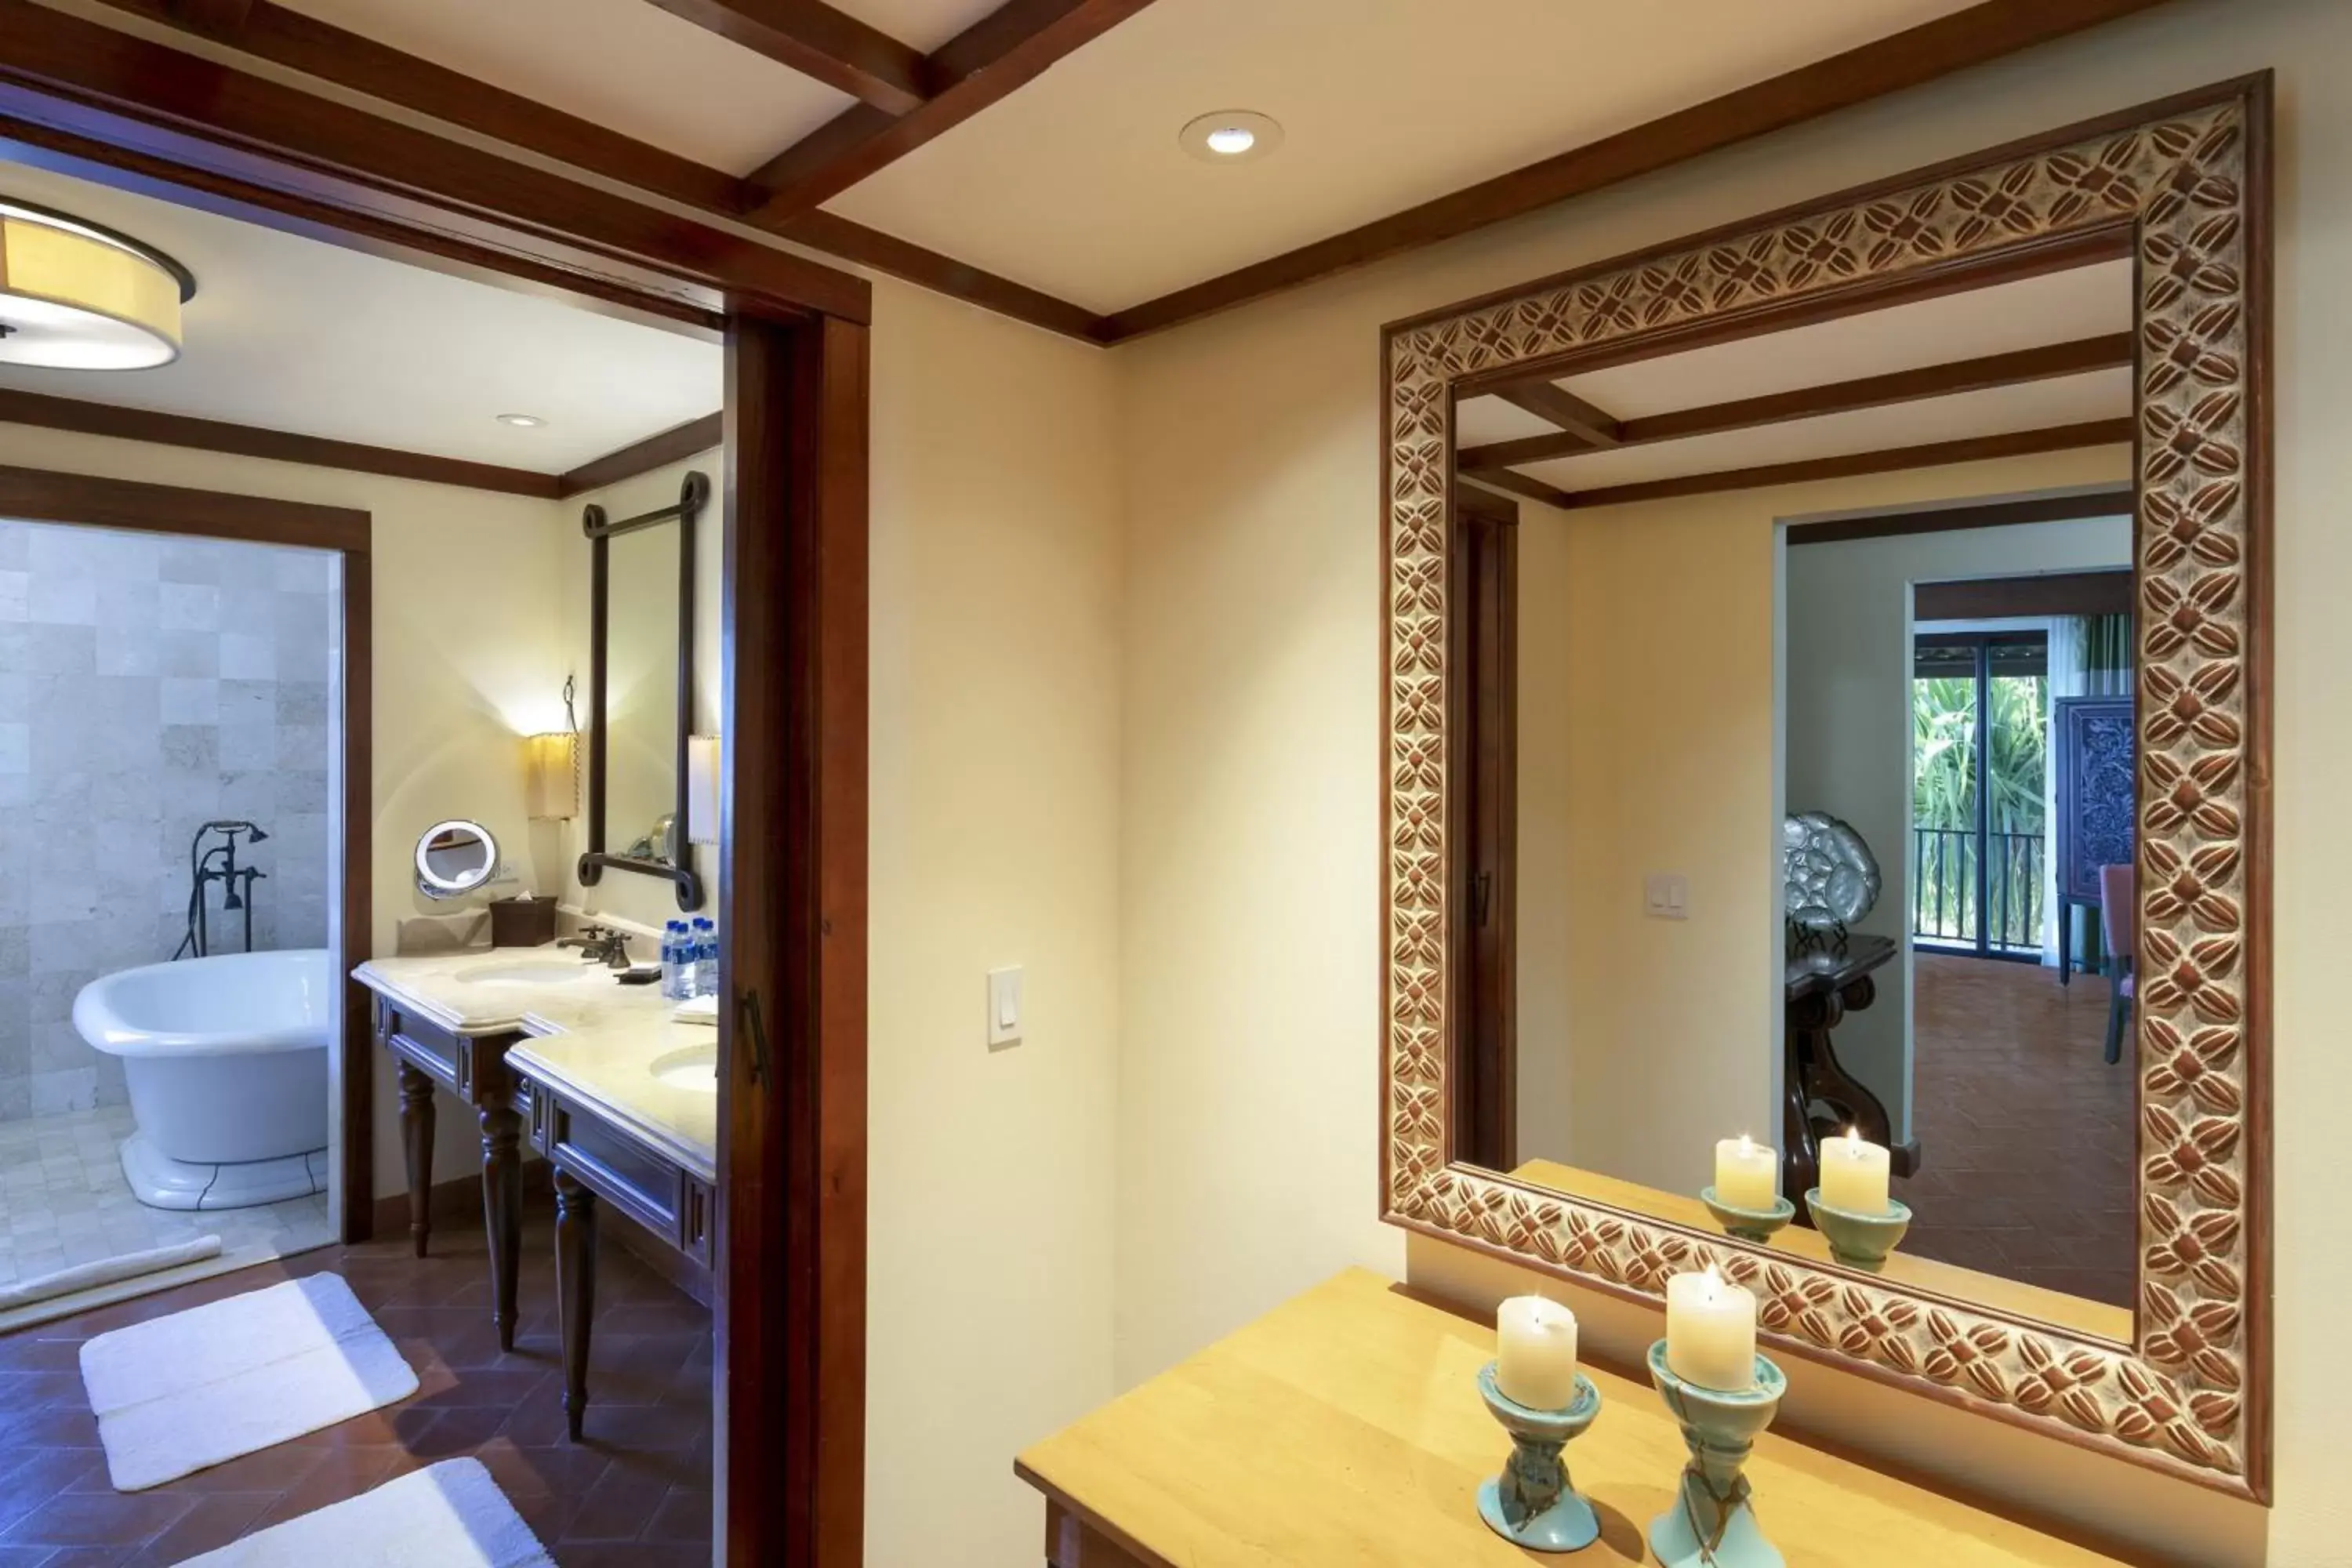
x=416 y=1143
x=502 y=1207
x=576 y=1290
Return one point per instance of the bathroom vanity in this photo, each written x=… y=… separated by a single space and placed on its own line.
x=449 y=1020
x=1346 y=1427
x=620 y=1100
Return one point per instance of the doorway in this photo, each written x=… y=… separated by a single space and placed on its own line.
x=1980 y=748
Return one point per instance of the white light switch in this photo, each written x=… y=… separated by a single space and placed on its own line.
x=1003 y=1007
x=1665 y=895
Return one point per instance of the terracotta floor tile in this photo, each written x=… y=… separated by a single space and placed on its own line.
x=2026 y=1135
x=646 y=1457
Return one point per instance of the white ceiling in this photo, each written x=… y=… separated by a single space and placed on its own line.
x=1075 y=183
x=2061 y=307
x=294 y=334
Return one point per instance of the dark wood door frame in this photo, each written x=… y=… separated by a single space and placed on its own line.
x=792 y=1141
x=1484 y=662
x=42 y=495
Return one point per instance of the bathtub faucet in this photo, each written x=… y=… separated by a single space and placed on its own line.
x=218 y=864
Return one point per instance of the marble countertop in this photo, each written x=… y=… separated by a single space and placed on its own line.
x=608 y=1067
x=435 y=986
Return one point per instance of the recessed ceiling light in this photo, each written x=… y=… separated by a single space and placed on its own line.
x=76 y=296
x=1230 y=136
x=522 y=421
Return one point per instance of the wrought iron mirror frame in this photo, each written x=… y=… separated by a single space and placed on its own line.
x=694 y=494
x=2183 y=187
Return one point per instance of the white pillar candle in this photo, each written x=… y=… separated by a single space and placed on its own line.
x=1710 y=1331
x=1746 y=1173
x=1853 y=1174
x=1536 y=1360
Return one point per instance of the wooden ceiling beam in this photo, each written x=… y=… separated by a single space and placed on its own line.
x=818 y=41
x=287 y=37
x=1952 y=43
x=1583 y=427
x=672 y=446
x=1518 y=485
x=1005 y=49
x=83 y=77
x=2045 y=363
x=1889 y=461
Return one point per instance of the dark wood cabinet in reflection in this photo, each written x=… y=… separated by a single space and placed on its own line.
x=1820 y=1097
x=1483 y=659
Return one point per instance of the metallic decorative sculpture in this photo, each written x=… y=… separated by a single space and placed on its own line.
x=1832 y=878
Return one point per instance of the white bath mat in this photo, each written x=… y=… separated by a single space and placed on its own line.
x=106 y=1271
x=203 y=1386
x=450 y=1516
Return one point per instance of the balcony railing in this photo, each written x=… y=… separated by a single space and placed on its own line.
x=1944 y=892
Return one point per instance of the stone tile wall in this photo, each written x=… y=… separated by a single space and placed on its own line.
x=148 y=684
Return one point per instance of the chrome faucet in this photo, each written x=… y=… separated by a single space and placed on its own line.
x=601 y=945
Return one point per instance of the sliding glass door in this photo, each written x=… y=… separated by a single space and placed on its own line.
x=1979 y=741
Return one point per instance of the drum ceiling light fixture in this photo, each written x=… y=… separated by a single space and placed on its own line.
x=74 y=295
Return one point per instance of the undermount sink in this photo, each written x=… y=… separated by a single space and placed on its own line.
x=695 y=1068
x=535 y=972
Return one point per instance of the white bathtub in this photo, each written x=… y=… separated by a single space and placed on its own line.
x=225 y=1056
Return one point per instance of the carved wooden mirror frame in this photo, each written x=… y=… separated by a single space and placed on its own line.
x=2183 y=186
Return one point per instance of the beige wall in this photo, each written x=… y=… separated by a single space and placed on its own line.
x=459 y=675
x=995 y=841
x=1249 y=897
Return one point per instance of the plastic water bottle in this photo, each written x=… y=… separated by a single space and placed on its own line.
x=676 y=962
x=705 y=956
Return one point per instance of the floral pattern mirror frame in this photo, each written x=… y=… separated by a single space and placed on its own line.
x=2182 y=186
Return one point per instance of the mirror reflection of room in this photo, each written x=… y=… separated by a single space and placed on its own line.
x=1791 y=692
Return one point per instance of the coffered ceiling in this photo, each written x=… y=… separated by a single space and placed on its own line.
x=1024 y=153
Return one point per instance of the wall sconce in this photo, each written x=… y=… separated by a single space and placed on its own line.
x=550 y=764
x=702 y=789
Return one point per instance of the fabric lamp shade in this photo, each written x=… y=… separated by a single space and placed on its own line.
x=551 y=776
x=77 y=297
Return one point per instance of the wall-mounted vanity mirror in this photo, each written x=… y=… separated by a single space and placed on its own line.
x=454 y=859
x=1823 y=684
x=641 y=690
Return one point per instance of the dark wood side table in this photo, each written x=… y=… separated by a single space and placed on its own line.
x=596 y=1161
x=1822 y=985
x=474 y=1069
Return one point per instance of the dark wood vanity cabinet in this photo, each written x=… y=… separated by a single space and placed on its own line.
x=597 y=1162
x=474 y=1069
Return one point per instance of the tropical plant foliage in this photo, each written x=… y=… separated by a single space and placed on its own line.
x=1944 y=739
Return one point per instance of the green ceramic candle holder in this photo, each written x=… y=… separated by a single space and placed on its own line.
x=1711 y=1524
x=1532 y=1503
x=1749 y=1225
x=1859 y=1240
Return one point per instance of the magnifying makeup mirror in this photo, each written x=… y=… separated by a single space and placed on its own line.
x=453 y=859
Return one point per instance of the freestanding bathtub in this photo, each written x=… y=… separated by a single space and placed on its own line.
x=226 y=1062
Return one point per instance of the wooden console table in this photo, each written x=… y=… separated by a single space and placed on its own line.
x=1822 y=985
x=1344 y=1427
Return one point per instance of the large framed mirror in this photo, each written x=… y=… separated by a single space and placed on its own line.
x=1825 y=694
x=641 y=691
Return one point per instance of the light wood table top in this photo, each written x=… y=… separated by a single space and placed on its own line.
x=1345 y=1428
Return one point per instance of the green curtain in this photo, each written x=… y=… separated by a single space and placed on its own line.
x=2107 y=656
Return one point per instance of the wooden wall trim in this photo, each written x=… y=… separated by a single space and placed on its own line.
x=1922 y=54
x=350 y=61
x=672 y=446
x=51 y=413
x=42 y=495
x=1979 y=514
x=2043 y=594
